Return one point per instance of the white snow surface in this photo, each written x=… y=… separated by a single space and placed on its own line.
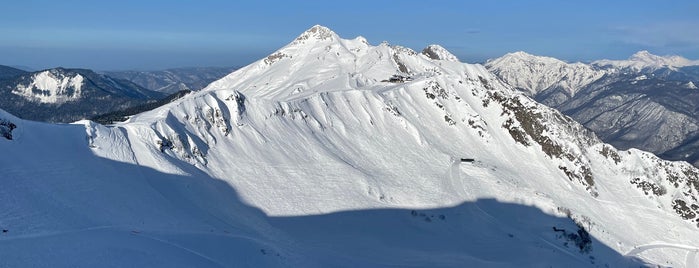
x=534 y=74
x=645 y=60
x=311 y=158
x=51 y=87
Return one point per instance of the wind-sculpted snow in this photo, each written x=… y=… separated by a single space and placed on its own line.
x=351 y=155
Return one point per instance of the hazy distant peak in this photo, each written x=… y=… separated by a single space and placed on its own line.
x=672 y=60
x=524 y=56
x=645 y=60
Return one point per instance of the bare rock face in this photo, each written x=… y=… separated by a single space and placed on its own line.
x=6 y=128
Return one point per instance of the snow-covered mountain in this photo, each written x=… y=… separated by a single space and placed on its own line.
x=544 y=75
x=646 y=102
x=335 y=152
x=644 y=60
x=67 y=95
x=174 y=80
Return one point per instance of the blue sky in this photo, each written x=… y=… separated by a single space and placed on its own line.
x=113 y=35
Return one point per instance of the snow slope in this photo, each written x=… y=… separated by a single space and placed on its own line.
x=318 y=156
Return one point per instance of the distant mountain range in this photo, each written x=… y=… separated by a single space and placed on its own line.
x=174 y=80
x=9 y=72
x=67 y=95
x=648 y=102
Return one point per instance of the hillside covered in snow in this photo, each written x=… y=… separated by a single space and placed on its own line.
x=335 y=152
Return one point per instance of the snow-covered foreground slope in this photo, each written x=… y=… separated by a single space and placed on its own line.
x=333 y=152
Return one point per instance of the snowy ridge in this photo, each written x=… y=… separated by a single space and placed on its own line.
x=437 y=52
x=51 y=86
x=329 y=139
x=535 y=74
x=645 y=60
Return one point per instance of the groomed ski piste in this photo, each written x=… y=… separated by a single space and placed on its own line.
x=336 y=153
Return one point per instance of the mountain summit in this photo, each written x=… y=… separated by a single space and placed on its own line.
x=645 y=60
x=335 y=152
x=535 y=74
x=317 y=32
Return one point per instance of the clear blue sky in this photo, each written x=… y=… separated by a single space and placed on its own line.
x=109 y=35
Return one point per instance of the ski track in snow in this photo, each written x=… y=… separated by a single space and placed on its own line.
x=188 y=250
x=690 y=260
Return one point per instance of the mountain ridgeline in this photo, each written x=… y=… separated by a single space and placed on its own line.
x=333 y=152
x=647 y=102
x=9 y=72
x=124 y=114
x=174 y=80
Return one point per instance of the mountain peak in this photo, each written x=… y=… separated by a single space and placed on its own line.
x=645 y=56
x=317 y=32
x=645 y=60
x=437 y=52
x=520 y=54
x=642 y=54
x=534 y=74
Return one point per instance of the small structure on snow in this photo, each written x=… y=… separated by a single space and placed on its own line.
x=467 y=160
x=397 y=78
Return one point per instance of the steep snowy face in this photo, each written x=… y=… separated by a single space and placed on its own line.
x=536 y=74
x=51 y=86
x=644 y=60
